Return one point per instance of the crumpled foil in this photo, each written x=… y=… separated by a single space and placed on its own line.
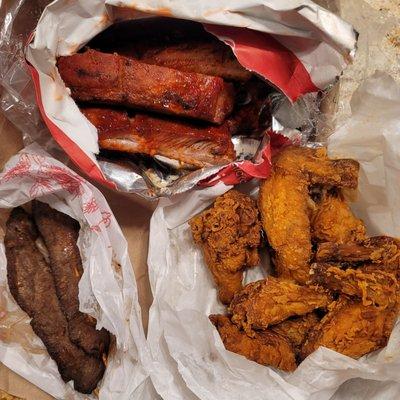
x=149 y=178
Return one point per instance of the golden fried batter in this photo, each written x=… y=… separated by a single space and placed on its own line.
x=316 y=167
x=334 y=222
x=379 y=288
x=267 y=348
x=296 y=329
x=229 y=233
x=285 y=208
x=271 y=300
x=283 y=203
x=352 y=328
x=383 y=251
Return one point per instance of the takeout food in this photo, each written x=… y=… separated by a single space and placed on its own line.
x=179 y=94
x=43 y=270
x=332 y=285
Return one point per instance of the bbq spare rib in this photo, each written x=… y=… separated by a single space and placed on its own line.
x=99 y=77
x=188 y=143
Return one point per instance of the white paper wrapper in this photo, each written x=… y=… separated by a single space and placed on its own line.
x=191 y=360
x=107 y=290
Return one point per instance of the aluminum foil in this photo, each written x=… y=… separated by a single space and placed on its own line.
x=149 y=178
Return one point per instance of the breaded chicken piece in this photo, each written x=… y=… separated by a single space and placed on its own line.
x=266 y=347
x=382 y=251
x=286 y=208
x=333 y=221
x=296 y=329
x=316 y=167
x=229 y=233
x=270 y=301
x=379 y=288
x=352 y=328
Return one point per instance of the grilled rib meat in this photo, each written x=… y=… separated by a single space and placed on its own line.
x=60 y=233
x=180 y=140
x=32 y=286
x=209 y=58
x=112 y=79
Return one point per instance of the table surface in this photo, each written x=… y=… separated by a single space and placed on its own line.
x=133 y=214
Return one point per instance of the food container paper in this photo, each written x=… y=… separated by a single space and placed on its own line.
x=298 y=46
x=107 y=289
x=191 y=360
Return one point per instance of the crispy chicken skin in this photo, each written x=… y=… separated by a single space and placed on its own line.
x=266 y=347
x=283 y=203
x=60 y=234
x=333 y=221
x=229 y=233
x=99 y=77
x=383 y=251
x=285 y=208
x=32 y=286
x=352 y=328
x=271 y=301
x=296 y=329
x=316 y=167
x=373 y=287
x=180 y=140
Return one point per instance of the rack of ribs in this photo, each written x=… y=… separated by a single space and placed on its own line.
x=99 y=77
x=197 y=145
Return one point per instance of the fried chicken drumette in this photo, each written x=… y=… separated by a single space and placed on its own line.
x=286 y=207
x=229 y=233
x=352 y=328
x=266 y=347
x=333 y=221
x=296 y=329
x=271 y=301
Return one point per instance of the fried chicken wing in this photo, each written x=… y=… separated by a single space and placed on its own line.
x=379 y=288
x=229 y=233
x=352 y=328
x=316 y=167
x=333 y=221
x=266 y=347
x=285 y=204
x=383 y=251
x=270 y=301
x=296 y=329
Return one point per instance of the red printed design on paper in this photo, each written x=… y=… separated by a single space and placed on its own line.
x=105 y=220
x=91 y=206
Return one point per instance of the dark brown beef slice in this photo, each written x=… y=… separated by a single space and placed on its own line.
x=60 y=233
x=32 y=286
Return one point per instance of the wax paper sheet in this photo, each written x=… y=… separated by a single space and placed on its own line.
x=298 y=46
x=192 y=362
x=107 y=289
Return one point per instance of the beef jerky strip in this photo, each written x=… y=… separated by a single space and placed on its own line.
x=60 y=233
x=99 y=77
x=192 y=144
x=32 y=286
